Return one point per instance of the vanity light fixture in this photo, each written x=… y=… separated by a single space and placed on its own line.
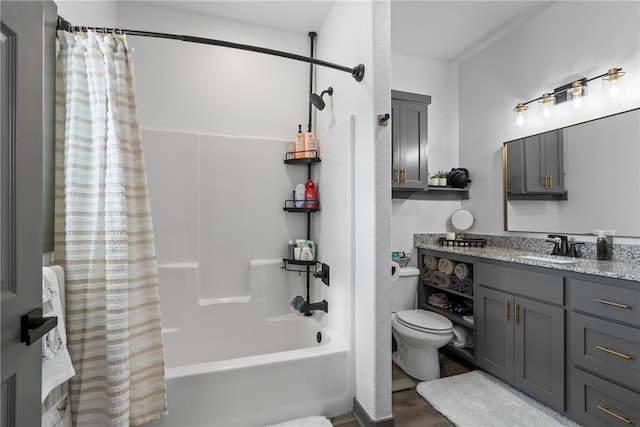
x=575 y=91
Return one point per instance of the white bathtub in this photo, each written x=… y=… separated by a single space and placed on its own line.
x=247 y=361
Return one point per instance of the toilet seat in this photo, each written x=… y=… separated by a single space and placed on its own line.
x=424 y=321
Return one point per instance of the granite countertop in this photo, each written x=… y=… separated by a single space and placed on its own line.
x=625 y=270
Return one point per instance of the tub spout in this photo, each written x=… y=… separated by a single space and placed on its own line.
x=323 y=305
x=300 y=305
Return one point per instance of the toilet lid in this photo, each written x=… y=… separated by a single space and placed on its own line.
x=424 y=320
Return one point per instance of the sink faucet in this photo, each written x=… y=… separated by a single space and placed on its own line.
x=559 y=248
x=563 y=247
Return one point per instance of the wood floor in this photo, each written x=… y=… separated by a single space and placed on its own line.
x=409 y=408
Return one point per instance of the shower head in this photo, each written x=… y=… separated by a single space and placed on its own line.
x=316 y=99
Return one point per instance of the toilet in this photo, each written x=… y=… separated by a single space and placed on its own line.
x=418 y=333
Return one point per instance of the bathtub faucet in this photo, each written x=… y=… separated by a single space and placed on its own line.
x=323 y=305
x=306 y=308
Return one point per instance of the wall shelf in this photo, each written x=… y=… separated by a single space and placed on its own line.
x=432 y=193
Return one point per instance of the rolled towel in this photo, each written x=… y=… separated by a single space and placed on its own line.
x=439 y=297
x=446 y=266
x=467 y=286
x=463 y=270
x=456 y=284
x=431 y=262
x=427 y=275
x=441 y=279
x=461 y=337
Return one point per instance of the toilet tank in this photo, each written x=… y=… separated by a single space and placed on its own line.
x=404 y=291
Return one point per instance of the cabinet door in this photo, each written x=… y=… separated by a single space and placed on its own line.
x=494 y=332
x=544 y=163
x=410 y=144
x=515 y=167
x=395 y=143
x=554 y=160
x=539 y=351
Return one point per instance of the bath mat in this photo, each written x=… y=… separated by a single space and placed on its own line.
x=477 y=399
x=305 y=422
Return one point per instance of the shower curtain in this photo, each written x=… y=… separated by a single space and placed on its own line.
x=104 y=236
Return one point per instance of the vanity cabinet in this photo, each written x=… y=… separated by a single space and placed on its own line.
x=409 y=140
x=535 y=166
x=520 y=324
x=604 y=347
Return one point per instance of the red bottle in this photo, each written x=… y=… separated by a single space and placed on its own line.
x=310 y=195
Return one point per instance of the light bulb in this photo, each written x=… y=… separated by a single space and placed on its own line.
x=576 y=94
x=519 y=114
x=612 y=85
x=544 y=104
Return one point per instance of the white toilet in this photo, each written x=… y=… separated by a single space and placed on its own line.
x=418 y=333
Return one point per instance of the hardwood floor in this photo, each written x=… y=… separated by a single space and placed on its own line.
x=409 y=408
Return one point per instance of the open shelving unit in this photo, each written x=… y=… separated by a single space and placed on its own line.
x=305 y=267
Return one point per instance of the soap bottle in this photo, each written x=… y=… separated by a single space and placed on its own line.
x=299 y=144
x=602 y=249
x=310 y=144
x=310 y=195
x=299 y=198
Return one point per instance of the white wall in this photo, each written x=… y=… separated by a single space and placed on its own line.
x=547 y=51
x=88 y=13
x=347 y=38
x=439 y=80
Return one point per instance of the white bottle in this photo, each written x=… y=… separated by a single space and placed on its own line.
x=299 y=196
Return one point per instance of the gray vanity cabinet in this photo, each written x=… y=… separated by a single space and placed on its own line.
x=409 y=140
x=535 y=165
x=520 y=322
x=604 y=347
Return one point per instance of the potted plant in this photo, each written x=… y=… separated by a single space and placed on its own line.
x=442 y=178
x=434 y=180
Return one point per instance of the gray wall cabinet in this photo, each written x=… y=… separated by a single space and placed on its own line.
x=520 y=339
x=409 y=140
x=535 y=165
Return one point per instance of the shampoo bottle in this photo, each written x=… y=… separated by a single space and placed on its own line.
x=310 y=195
x=299 y=198
x=299 y=144
x=310 y=144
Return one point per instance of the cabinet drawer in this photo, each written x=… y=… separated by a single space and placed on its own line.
x=596 y=402
x=604 y=300
x=607 y=348
x=541 y=286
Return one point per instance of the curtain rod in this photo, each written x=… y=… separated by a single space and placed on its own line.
x=356 y=72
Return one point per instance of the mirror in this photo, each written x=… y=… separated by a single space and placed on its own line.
x=462 y=219
x=575 y=179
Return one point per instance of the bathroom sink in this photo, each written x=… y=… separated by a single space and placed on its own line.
x=546 y=259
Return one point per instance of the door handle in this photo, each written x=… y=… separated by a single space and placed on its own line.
x=398 y=175
x=516 y=313
x=33 y=326
x=404 y=174
x=506 y=310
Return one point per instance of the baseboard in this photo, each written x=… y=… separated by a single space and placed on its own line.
x=366 y=421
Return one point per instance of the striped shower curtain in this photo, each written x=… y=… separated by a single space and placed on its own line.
x=104 y=236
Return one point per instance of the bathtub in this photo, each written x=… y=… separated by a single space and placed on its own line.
x=247 y=360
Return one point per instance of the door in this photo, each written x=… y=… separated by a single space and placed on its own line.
x=539 y=351
x=24 y=88
x=494 y=332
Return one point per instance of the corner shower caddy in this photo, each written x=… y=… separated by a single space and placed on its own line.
x=308 y=267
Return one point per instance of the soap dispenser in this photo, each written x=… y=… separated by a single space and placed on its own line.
x=602 y=246
x=602 y=251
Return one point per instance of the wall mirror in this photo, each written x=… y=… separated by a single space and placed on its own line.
x=575 y=179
